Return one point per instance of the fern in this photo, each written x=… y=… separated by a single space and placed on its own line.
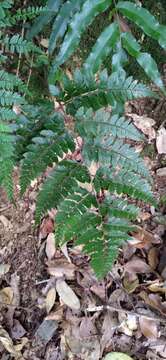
x=96 y=199
x=50 y=145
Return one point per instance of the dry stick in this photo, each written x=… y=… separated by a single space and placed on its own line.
x=128 y=312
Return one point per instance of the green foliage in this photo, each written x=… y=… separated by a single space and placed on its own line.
x=94 y=197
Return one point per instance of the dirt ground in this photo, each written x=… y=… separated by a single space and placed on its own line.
x=125 y=312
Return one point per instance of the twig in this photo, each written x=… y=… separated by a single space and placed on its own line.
x=128 y=312
x=5 y=208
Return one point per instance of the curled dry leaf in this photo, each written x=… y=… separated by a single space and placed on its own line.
x=137 y=265
x=142 y=237
x=67 y=295
x=145 y=124
x=50 y=299
x=8 y=344
x=117 y=356
x=148 y=328
x=50 y=246
x=161 y=141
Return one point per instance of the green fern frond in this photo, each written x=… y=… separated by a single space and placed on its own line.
x=124 y=182
x=50 y=145
x=10 y=81
x=62 y=20
x=80 y=21
x=16 y=44
x=103 y=123
x=7 y=114
x=105 y=44
x=63 y=181
x=10 y=98
x=6 y=159
x=28 y=13
x=101 y=238
x=85 y=90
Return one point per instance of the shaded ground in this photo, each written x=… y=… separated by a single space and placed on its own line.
x=125 y=312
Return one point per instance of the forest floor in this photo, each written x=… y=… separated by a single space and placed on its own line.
x=52 y=305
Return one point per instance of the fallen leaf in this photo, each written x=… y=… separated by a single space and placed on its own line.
x=148 y=328
x=50 y=246
x=145 y=124
x=4 y=268
x=44 y=43
x=137 y=265
x=65 y=252
x=46 y=227
x=142 y=237
x=161 y=141
x=6 y=296
x=60 y=268
x=17 y=330
x=128 y=324
x=154 y=301
x=117 y=356
x=130 y=282
x=55 y=315
x=144 y=216
x=67 y=295
x=157 y=286
x=161 y=172
x=50 y=299
x=109 y=326
x=6 y=223
x=153 y=259
x=46 y=331
x=8 y=343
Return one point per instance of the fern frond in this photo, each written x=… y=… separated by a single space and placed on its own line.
x=63 y=181
x=124 y=182
x=81 y=20
x=85 y=90
x=6 y=159
x=10 y=81
x=28 y=13
x=10 y=98
x=16 y=44
x=101 y=238
x=105 y=44
x=62 y=20
x=46 y=149
x=7 y=114
x=102 y=123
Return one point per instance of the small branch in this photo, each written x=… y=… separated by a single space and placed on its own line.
x=128 y=312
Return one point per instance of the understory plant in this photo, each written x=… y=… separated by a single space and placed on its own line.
x=96 y=193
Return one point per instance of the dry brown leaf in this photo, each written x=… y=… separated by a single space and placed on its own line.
x=142 y=237
x=154 y=301
x=128 y=324
x=50 y=299
x=157 y=287
x=55 y=315
x=65 y=252
x=60 y=268
x=153 y=259
x=161 y=141
x=17 y=330
x=137 y=265
x=46 y=227
x=110 y=324
x=145 y=124
x=8 y=343
x=6 y=223
x=50 y=246
x=6 y=296
x=148 y=327
x=130 y=282
x=67 y=295
x=144 y=216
